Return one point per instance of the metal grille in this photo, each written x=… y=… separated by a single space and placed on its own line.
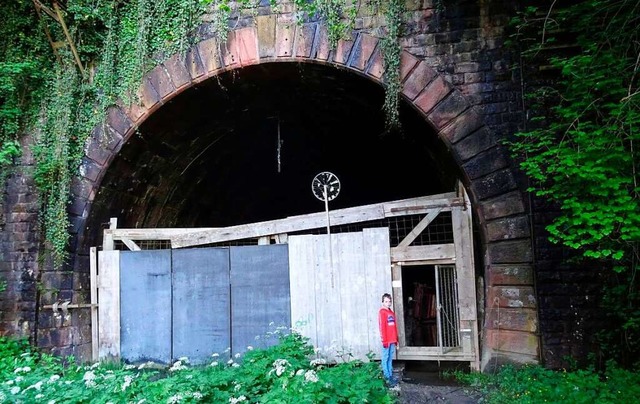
x=449 y=334
x=439 y=231
x=144 y=245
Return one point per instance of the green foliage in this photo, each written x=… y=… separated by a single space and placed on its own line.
x=283 y=373
x=118 y=42
x=535 y=384
x=580 y=146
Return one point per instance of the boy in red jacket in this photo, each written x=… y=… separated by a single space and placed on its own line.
x=389 y=335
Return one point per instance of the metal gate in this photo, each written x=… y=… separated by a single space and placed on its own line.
x=196 y=302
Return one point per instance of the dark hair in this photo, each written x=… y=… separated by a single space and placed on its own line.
x=385 y=296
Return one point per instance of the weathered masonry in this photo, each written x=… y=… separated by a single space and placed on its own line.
x=164 y=304
x=232 y=133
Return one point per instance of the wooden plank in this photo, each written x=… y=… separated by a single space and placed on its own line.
x=130 y=244
x=425 y=252
x=328 y=304
x=310 y=221
x=152 y=234
x=109 y=308
x=398 y=305
x=415 y=232
x=348 y=250
x=93 y=285
x=107 y=239
x=377 y=266
x=302 y=271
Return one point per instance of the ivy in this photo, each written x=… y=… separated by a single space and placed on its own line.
x=580 y=146
x=118 y=42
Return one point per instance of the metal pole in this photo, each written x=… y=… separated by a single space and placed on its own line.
x=326 y=209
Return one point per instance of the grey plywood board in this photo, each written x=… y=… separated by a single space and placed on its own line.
x=109 y=308
x=260 y=294
x=145 y=305
x=201 y=299
x=303 y=267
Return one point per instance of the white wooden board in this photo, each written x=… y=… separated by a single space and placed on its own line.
x=109 y=308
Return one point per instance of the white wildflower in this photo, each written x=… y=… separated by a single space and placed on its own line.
x=144 y=400
x=214 y=363
x=127 y=382
x=54 y=378
x=300 y=372
x=9 y=382
x=39 y=396
x=177 y=366
x=89 y=379
x=230 y=361
x=249 y=348
x=95 y=365
x=234 y=400
x=15 y=390
x=215 y=355
x=237 y=387
x=19 y=379
x=52 y=402
x=228 y=349
x=129 y=367
x=37 y=386
x=311 y=376
x=279 y=366
x=235 y=365
x=174 y=399
x=197 y=395
x=317 y=362
x=184 y=359
x=237 y=355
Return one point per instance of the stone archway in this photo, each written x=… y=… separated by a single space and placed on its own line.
x=510 y=325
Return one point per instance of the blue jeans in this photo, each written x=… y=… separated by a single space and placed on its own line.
x=387 y=361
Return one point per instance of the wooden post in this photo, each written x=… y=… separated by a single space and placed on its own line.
x=93 y=272
x=107 y=241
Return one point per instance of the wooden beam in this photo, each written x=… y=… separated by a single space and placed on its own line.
x=311 y=221
x=107 y=239
x=423 y=253
x=56 y=7
x=130 y=244
x=415 y=232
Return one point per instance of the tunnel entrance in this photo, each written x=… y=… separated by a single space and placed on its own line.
x=244 y=147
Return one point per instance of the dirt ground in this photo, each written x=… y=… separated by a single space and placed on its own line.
x=426 y=383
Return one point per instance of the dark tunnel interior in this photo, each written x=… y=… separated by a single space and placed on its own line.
x=210 y=157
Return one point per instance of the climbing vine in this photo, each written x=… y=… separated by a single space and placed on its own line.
x=117 y=43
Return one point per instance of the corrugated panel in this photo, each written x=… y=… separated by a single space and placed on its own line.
x=201 y=322
x=260 y=294
x=145 y=305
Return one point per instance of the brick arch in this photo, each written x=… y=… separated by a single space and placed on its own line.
x=510 y=307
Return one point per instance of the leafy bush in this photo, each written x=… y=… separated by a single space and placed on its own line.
x=535 y=384
x=283 y=373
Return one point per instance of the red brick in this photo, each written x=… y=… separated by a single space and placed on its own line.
x=376 y=66
x=247 y=44
x=513 y=319
x=432 y=94
x=160 y=80
x=230 y=57
x=193 y=63
x=324 y=50
x=515 y=274
x=511 y=297
x=177 y=71
x=465 y=124
x=266 y=26
x=520 y=342
x=343 y=50
x=407 y=63
x=418 y=80
x=148 y=94
x=209 y=55
x=285 y=34
x=362 y=51
x=118 y=120
x=304 y=40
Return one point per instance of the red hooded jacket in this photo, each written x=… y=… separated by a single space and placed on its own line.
x=388 y=329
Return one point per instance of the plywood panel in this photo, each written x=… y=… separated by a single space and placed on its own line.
x=302 y=273
x=201 y=299
x=260 y=299
x=145 y=310
x=109 y=308
x=377 y=266
x=340 y=315
x=348 y=248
